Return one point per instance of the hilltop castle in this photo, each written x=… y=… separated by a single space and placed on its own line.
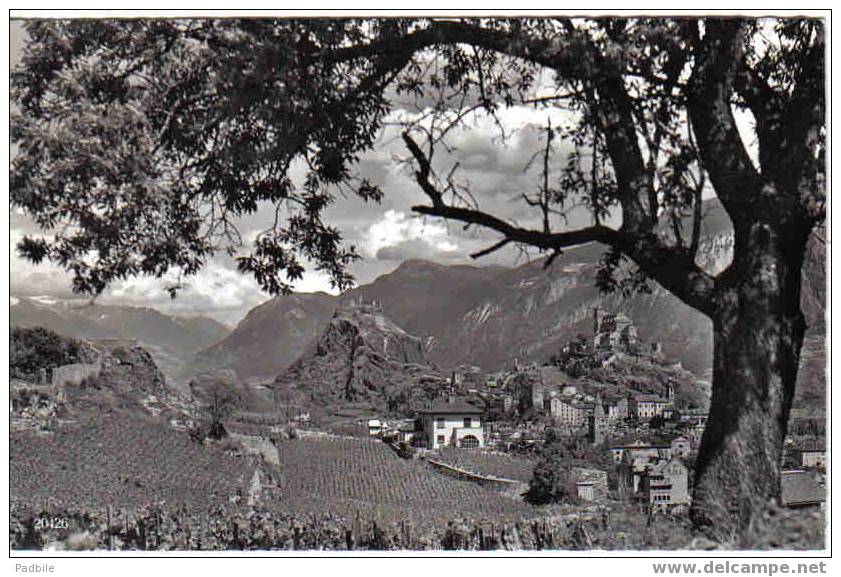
x=615 y=333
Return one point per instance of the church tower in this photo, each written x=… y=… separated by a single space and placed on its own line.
x=597 y=423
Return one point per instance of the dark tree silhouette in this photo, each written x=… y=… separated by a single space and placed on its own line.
x=141 y=141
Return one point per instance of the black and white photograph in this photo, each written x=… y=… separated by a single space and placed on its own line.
x=346 y=283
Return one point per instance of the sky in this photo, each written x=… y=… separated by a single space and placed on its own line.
x=384 y=234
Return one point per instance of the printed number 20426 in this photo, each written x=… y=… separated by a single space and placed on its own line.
x=43 y=523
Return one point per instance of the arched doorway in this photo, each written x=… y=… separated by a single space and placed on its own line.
x=469 y=442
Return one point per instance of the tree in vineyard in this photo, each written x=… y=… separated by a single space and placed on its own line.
x=141 y=141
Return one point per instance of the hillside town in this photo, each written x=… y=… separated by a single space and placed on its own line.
x=650 y=433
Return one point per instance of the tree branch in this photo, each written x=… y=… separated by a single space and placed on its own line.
x=671 y=267
x=493 y=248
x=734 y=177
x=535 y=238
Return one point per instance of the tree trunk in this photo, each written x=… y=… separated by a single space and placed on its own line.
x=758 y=334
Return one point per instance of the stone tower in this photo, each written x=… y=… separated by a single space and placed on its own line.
x=597 y=424
x=670 y=391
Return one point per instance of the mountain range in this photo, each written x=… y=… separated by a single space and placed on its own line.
x=492 y=317
x=172 y=340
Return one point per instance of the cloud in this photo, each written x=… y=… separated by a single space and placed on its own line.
x=27 y=278
x=414 y=249
x=384 y=234
x=397 y=233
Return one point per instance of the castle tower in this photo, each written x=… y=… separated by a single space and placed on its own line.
x=670 y=391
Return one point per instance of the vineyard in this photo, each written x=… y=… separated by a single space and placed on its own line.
x=124 y=481
x=349 y=476
x=224 y=528
x=182 y=528
x=489 y=463
x=124 y=460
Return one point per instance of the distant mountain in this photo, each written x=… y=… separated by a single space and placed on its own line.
x=361 y=359
x=270 y=337
x=172 y=340
x=490 y=316
x=426 y=298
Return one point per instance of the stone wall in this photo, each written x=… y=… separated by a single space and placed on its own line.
x=75 y=373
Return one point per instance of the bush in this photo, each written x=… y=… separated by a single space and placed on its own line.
x=36 y=348
x=551 y=481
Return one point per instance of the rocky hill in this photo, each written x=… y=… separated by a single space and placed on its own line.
x=171 y=340
x=55 y=378
x=363 y=360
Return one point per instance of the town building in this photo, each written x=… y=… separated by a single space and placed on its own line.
x=616 y=409
x=646 y=407
x=569 y=412
x=585 y=491
x=665 y=484
x=597 y=424
x=812 y=455
x=591 y=484
x=693 y=416
x=799 y=489
x=640 y=448
x=452 y=422
x=410 y=431
x=681 y=447
x=375 y=427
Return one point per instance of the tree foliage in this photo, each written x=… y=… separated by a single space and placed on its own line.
x=553 y=480
x=141 y=142
x=31 y=349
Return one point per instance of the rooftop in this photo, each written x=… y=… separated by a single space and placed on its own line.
x=641 y=441
x=811 y=446
x=650 y=398
x=800 y=488
x=452 y=406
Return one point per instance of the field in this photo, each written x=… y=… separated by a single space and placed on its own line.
x=128 y=482
x=124 y=460
x=349 y=476
x=487 y=463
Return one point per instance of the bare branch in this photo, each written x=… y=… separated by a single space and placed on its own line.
x=493 y=248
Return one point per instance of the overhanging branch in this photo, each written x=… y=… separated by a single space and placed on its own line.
x=671 y=267
x=535 y=238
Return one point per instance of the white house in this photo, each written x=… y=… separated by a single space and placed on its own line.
x=375 y=427
x=452 y=422
x=666 y=484
x=644 y=407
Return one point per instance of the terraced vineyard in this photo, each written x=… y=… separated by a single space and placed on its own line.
x=123 y=460
x=349 y=476
x=487 y=463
